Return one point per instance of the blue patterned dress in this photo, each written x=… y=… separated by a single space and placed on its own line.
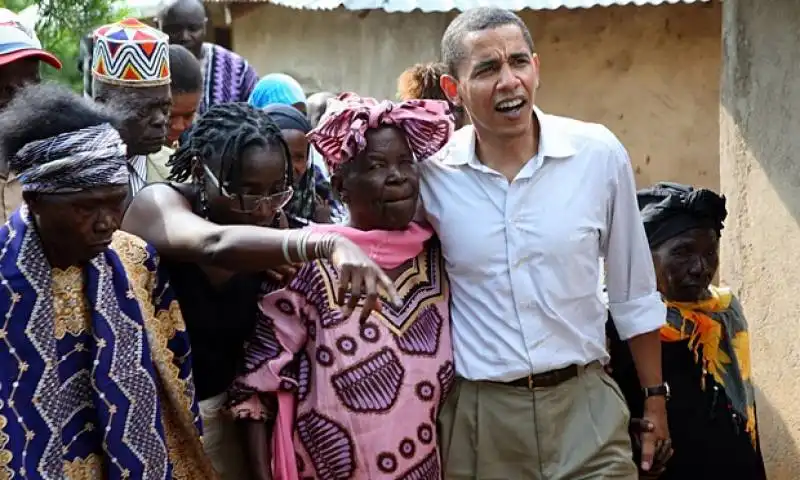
x=95 y=377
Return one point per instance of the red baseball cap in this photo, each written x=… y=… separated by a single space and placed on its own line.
x=17 y=41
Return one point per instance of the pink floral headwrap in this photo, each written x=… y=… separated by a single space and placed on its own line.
x=342 y=135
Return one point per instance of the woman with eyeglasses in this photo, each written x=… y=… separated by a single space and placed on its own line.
x=210 y=233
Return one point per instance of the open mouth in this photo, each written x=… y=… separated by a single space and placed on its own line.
x=511 y=107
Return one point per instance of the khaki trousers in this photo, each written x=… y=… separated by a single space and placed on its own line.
x=577 y=430
x=221 y=442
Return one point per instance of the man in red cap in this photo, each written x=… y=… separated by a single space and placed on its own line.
x=20 y=55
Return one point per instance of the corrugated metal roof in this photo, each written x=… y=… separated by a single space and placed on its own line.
x=448 y=5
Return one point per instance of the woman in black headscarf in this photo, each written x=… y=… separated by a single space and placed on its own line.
x=705 y=341
x=313 y=199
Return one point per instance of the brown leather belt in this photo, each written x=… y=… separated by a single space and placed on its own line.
x=546 y=379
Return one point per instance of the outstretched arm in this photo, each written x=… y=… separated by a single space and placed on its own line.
x=162 y=217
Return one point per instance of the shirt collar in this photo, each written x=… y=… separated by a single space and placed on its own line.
x=553 y=143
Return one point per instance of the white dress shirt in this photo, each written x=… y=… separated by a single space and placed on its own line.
x=524 y=257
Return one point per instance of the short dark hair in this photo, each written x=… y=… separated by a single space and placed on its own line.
x=475 y=20
x=218 y=140
x=185 y=70
x=46 y=110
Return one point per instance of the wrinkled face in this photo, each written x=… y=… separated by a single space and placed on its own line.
x=16 y=75
x=185 y=24
x=686 y=264
x=81 y=222
x=181 y=116
x=381 y=185
x=260 y=194
x=298 y=148
x=144 y=129
x=496 y=81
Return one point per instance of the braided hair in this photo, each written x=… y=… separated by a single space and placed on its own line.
x=218 y=140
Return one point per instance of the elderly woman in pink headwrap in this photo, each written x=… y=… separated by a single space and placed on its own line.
x=356 y=394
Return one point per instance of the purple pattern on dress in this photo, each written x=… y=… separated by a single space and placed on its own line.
x=328 y=444
x=419 y=292
x=447 y=377
x=265 y=347
x=422 y=337
x=427 y=469
x=310 y=283
x=371 y=385
x=228 y=77
x=425 y=434
x=358 y=391
x=303 y=376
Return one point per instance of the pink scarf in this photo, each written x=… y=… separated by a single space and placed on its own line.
x=388 y=248
x=284 y=463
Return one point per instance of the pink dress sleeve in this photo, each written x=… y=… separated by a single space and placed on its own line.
x=278 y=335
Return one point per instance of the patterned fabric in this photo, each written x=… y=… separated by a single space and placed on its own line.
x=227 y=77
x=132 y=54
x=341 y=136
x=717 y=331
x=368 y=393
x=277 y=88
x=95 y=378
x=137 y=168
x=72 y=162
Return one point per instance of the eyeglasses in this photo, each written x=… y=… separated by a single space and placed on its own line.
x=251 y=203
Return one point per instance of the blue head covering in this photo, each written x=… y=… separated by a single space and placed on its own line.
x=277 y=88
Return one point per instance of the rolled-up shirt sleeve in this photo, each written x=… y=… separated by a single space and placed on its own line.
x=633 y=299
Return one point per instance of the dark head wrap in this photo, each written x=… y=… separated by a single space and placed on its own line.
x=287 y=117
x=669 y=209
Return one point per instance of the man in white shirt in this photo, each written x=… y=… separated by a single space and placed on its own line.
x=525 y=205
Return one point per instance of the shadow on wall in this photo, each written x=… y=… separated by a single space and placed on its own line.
x=760 y=174
x=779 y=467
x=759 y=99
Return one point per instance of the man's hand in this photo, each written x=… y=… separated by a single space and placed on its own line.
x=646 y=352
x=655 y=439
x=639 y=426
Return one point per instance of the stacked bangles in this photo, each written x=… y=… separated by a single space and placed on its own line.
x=323 y=248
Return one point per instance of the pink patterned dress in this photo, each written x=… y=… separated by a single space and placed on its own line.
x=368 y=394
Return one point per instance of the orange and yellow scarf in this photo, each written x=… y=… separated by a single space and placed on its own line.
x=717 y=324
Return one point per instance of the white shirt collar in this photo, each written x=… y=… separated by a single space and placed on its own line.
x=552 y=142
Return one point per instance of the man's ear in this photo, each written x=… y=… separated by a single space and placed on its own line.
x=449 y=86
